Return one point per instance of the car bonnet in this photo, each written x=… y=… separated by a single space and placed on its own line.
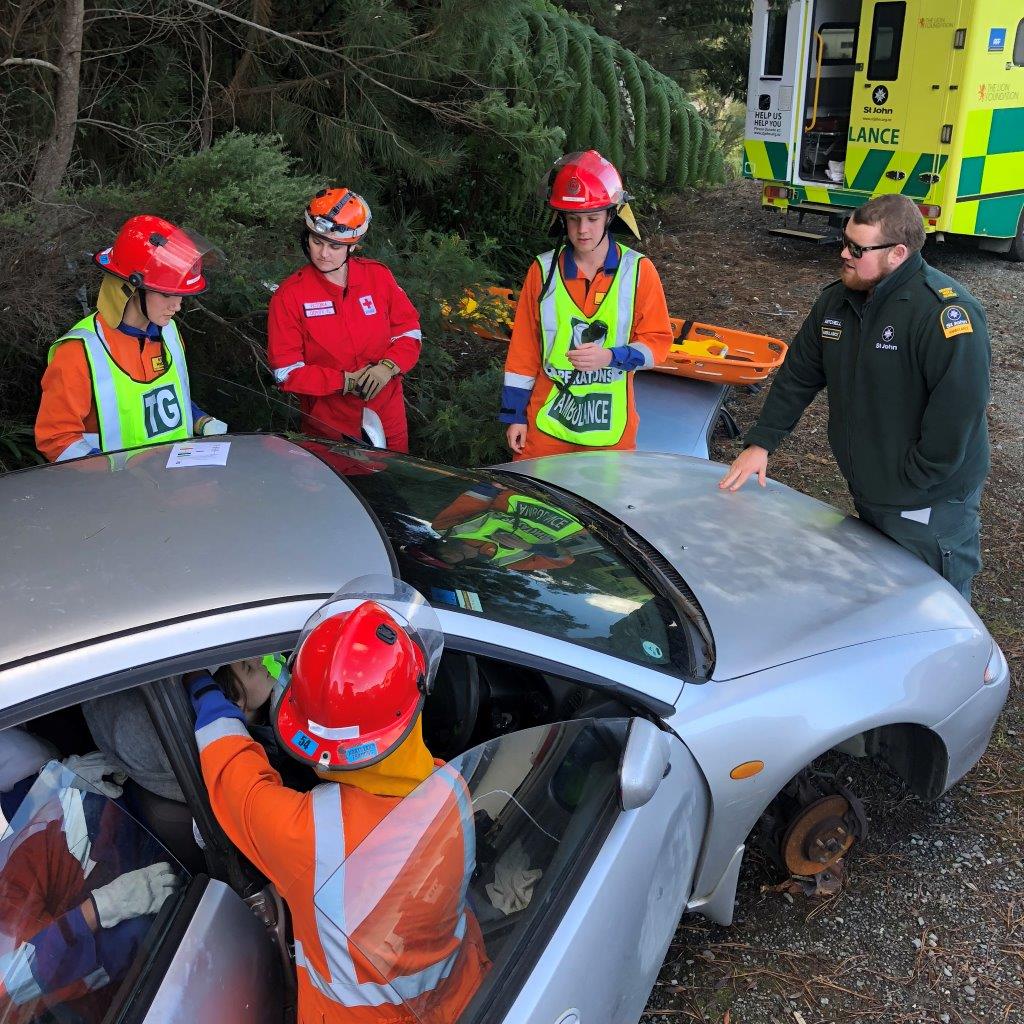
x=780 y=576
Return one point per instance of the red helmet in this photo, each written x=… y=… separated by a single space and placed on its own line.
x=355 y=685
x=338 y=214
x=584 y=183
x=150 y=252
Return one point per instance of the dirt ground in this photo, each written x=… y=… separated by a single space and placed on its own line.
x=929 y=925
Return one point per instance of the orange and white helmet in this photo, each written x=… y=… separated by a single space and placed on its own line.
x=338 y=214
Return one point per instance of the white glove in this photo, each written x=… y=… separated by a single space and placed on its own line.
x=212 y=427
x=134 y=894
x=91 y=769
x=514 y=879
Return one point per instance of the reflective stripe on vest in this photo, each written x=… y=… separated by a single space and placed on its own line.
x=346 y=911
x=130 y=413
x=593 y=410
x=535 y=522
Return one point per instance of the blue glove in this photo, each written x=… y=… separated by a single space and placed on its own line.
x=209 y=701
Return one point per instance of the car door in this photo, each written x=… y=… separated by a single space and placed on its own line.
x=207 y=953
x=581 y=840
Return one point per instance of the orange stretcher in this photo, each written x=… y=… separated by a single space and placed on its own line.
x=720 y=354
x=700 y=351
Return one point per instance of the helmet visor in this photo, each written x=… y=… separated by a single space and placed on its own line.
x=405 y=603
x=183 y=257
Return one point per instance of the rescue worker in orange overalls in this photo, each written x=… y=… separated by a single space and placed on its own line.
x=341 y=333
x=590 y=313
x=383 y=931
x=118 y=379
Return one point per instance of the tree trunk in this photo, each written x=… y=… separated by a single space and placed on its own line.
x=56 y=154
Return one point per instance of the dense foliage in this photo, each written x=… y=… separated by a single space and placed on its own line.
x=227 y=116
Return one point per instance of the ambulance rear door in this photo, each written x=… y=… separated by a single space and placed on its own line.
x=877 y=157
x=777 y=53
x=905 y=87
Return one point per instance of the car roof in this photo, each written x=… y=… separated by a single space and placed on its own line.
x=116 y=544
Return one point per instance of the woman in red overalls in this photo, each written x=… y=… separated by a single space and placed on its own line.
x=341 y=332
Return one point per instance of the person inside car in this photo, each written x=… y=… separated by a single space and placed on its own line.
x=123 y=730
x=392 y=940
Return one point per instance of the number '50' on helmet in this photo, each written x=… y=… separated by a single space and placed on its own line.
x=152 y=253
x=356 y=683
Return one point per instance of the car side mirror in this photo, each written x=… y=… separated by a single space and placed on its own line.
x=373 y=429
x=644 y=764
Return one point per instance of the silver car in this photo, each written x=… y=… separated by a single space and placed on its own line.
x=639 y=671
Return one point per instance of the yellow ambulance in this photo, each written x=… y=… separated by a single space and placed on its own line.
x=850 y=99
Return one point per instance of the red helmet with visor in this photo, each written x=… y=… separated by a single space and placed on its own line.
x=152 y=253
x=356 y=682
x=584 y=183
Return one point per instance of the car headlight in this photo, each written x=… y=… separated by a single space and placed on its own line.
x=996 y=667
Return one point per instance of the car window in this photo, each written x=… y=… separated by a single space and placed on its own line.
x=485 y=543
x=465 y=877
x=84 y=890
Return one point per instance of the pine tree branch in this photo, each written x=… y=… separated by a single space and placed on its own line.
x=29 y=61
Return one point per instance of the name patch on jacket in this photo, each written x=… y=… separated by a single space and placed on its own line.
x=325 y=308
x=366 y=302
x=954 y=320
x=831 y=330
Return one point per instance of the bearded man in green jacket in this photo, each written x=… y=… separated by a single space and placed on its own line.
x=904 y=354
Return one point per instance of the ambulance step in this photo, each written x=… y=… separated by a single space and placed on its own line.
x=823 y=237
x=825 y=208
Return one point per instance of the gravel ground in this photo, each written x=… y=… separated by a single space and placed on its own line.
x=929 y=925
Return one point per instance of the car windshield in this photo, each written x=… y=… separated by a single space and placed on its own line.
x=488 y=543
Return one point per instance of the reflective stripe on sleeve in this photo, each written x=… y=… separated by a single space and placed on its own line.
x=16 y=970
x=286 y=371
x=519 y=380
x=83 y=446
x=643 y=349
x=218 y=730
x=416 y=335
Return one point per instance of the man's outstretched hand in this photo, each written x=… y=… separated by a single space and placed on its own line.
x=749 y=461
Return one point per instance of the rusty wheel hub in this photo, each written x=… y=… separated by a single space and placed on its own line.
x=819 y=835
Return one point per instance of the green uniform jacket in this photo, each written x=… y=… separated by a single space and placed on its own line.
x=907 y=372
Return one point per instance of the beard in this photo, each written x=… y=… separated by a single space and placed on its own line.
x=853 y=279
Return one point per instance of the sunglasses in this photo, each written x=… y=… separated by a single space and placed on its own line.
x=856 y=251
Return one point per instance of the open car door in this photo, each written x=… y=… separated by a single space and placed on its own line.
x=98 y=922
x=542 y=872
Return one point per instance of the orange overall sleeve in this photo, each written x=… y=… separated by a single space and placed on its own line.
x=270 y=823
x=651 y=326
x=66 y=409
